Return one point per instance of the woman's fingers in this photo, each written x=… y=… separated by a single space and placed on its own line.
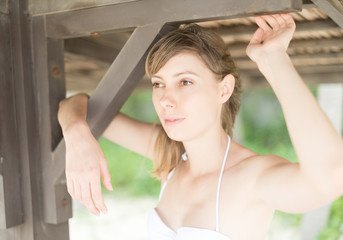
x=271 y=20
x=95 y=188
x=262 y=24
x=70 y=187
x=105 y=174
x=77 y=191
x=87 y=199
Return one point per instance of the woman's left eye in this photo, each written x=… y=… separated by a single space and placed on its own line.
x=186 y=82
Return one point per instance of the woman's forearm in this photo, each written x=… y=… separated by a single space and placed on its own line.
x=72 y=111
x=318 y=145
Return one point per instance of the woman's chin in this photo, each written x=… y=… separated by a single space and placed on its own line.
x=175 y=137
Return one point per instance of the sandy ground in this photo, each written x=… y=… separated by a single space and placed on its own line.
x=126 y=220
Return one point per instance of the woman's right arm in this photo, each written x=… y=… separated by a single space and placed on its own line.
x=85 y=162
x=137 y=136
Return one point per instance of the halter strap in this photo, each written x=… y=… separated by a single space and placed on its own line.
x=218 y=187
x=219 y=183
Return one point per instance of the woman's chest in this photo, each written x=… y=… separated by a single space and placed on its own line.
x=194 y=204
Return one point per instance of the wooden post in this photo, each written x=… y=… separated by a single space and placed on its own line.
x=330 y=97
x=20 y=129
x=11 y=213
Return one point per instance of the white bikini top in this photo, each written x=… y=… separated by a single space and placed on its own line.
x=158 y=230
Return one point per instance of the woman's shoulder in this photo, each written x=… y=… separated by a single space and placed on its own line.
x=245 y=158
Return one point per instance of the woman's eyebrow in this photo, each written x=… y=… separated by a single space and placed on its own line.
x=177 y=74
x=185 y=72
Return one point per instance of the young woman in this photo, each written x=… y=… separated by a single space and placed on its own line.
x=212 y=187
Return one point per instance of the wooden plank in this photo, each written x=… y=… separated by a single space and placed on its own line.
x=308 y=4
x=49 y=65
x=333 y=8
x=11 y=213
x=99 y=19
x=27 y=146
x=94 y=47
x=91 y=49
x=43 y=7
x=4 y=6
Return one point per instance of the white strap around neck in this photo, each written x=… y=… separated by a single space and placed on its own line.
x=219 y=183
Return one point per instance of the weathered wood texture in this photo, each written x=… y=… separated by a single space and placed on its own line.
x=50 y=89
x=4 y=6
x=27 y=146
x=83 y=23
x=43 y=7
x=333 y=8
x=11 y=213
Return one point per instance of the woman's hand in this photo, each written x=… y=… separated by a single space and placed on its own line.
x=271 y=40
x=85 y=163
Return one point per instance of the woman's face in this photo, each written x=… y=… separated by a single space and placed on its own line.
x=186 y=96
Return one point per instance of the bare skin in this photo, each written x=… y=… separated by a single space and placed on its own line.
x=253 y=186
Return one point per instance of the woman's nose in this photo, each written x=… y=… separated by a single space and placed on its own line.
x=167 y=100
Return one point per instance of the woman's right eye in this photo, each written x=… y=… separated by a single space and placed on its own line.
x=157 y=85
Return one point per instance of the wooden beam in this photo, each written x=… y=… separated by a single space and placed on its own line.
x=91 y=49
x=96 y=48
x=333 y=8
x=308 y=4
x=4 y=6
x=27 y=146
x=50 y=89
x=84 y=22
x=11 y=212
x=43 y=7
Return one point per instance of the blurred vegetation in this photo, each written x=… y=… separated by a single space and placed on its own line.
x=264 y=131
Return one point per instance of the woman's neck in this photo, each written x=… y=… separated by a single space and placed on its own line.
x=205 y=153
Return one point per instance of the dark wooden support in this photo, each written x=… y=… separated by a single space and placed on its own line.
x=91 y=49
x=84 y=22
x=333 y=8
x=20 y=100
x=50 y=89
x=11 y=212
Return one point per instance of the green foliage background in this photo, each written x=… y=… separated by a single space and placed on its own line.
x=264 y=131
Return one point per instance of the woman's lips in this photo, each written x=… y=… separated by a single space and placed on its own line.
x=173 y=121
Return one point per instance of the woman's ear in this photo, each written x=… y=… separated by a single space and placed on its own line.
x=227 y=86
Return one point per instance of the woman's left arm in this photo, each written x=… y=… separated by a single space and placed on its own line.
x=317 y=144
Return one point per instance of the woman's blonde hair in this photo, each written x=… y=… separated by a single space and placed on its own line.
x=215 y=54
